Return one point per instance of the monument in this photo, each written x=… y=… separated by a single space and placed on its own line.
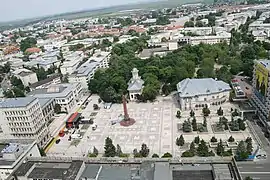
x=127 y=121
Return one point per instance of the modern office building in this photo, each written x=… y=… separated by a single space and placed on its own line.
x=22 y=119
x=66 y=95
x=260 y=96
x=199 y=93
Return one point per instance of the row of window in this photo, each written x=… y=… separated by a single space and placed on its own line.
x=19 y=124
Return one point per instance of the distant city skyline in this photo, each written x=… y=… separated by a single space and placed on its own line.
x=23 y=9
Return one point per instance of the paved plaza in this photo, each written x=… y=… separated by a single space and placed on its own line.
x=156 y=126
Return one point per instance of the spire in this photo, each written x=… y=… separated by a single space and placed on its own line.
x=135 y=73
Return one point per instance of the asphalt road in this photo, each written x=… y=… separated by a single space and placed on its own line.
x=256 y=170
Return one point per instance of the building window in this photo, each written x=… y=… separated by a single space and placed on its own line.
x=205 y=99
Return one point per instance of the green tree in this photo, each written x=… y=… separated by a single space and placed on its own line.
x=178 y=114
x=213 y=139
x=149 y=93
x=187 y=153
x=249 y=145
x=95 y=151
x=220 y=148
x=204 y=122
x=180 y=141
x=202 y=149
x=118 y=150
x=248 y=178
x=16 y=82
x=231 y=139
x=13 y=93
x=194 y=124
x=206 y=111
x=57 y=108
x=109 y=148
x=189 y=24
x=192 y=148
x=192 y=113
x=187 y=126
x=167 y=155
x=144 y=150
x=241 y=151
x=199 y=24
x=220 y=112
x=155 y=156
x=27 y=43
x=115 y=39
x=197 y=140
x=162 y=20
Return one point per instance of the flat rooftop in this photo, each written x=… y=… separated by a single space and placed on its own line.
x=16 y=102
x=192 y=175
x=50 y=170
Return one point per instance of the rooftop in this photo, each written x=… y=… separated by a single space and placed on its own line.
x=45 y=81
x=196 y=87
x=44 y=101
x=49 y=170
x=86 y=68
x=265 y=63
x=54 y=91
x=16 y=102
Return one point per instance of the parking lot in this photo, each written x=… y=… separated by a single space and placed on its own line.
x=156 y=126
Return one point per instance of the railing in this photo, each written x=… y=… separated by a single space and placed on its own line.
x=130 y=160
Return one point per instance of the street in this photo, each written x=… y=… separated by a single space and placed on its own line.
x=256 y=170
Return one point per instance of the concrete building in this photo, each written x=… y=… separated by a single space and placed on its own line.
x=200 y=31
x=45 y=63
x=22 y=119
x=260 y=96
x=47 y=106
x=71 y=62
x=86 y=71
x=199 y=93
x=12 y=155
x=135 y=85
x=220 y=37
x=53 y=79
x=26 y=76
x=66 y=95
x=146 y=170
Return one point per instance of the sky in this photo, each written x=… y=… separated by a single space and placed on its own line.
x=23 y=9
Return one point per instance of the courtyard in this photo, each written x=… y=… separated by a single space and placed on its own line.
x=156 y=126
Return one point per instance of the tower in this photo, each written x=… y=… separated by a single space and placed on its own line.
x=135 y=73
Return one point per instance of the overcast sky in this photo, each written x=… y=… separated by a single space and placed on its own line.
x=21 y=9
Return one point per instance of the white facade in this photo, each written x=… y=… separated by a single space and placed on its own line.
x=66 y=95
x=86 y=71
x=71 y=62
x=135 y=85
x=27 y=78
x=200 y=31
x=207 y=39
x=198 y=93
x=22 y=119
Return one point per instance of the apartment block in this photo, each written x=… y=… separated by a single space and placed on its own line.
x=22 y=119
x=260 y=96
